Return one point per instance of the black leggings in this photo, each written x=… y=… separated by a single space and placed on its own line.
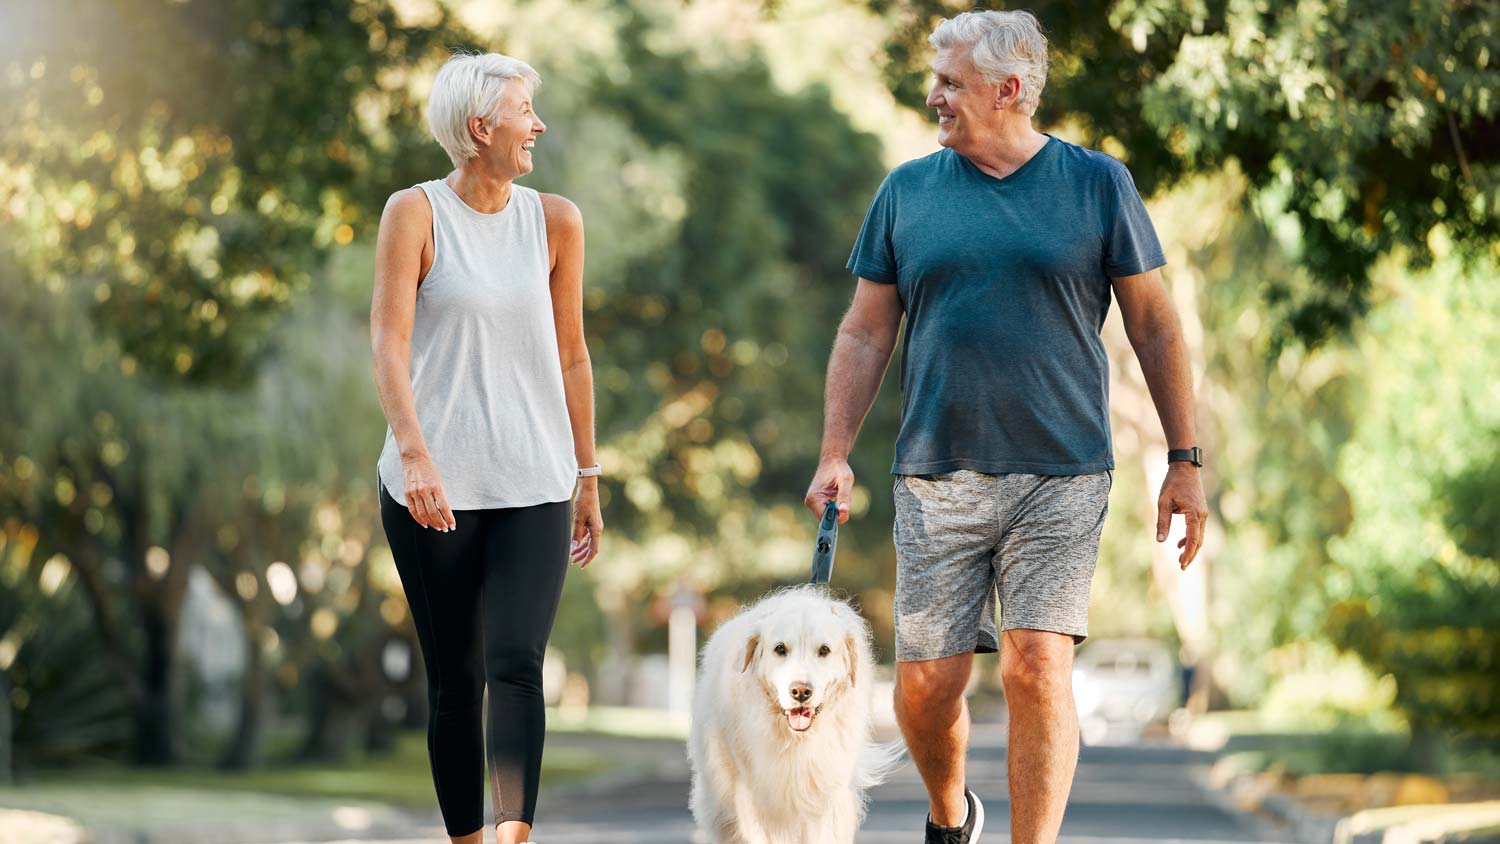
x=493 y=582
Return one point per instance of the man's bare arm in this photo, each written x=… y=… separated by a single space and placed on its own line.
x=861 y=353
x=1156 y=336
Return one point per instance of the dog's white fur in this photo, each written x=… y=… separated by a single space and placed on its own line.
x=756 y=780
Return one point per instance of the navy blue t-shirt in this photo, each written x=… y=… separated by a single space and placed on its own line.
x=1005 y=284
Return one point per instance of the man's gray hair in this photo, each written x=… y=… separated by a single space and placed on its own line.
x=470 y=85
x=1005 y=44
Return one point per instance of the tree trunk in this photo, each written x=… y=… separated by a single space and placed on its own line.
x=615 y=686
x=414 y=688
x=1428 y=749
x=159 y=603
x=7 y=763
x=244 y=749
x=380 y=731
x=336 y=726
x=155 y=744
x=160 y=597
x=88 y=563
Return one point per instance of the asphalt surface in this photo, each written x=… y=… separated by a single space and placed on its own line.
x=1151 y=792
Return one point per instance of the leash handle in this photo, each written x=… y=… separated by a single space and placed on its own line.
x=828 y=540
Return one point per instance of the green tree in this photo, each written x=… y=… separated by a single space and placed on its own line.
x=187 y=162
x=58 y=701
x=1363 y=129
x=1413 y=591
x=175 y=172
x=720 y=210
x=84 y=466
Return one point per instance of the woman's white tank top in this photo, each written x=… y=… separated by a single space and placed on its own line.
x=485 y=369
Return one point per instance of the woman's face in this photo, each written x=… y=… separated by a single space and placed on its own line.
x=514 y=130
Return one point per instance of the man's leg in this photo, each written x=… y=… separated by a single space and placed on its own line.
x=1037 y=669
x=946 y=533
x=934 y=719
x=1046 y=566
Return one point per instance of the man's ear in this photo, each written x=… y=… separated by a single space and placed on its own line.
x=1008 y=94
x=752 y=650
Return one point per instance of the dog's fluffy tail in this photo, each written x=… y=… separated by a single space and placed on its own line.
x=877 y=762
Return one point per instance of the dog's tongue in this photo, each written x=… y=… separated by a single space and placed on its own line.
x=799 y=719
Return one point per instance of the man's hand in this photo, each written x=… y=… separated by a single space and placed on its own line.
x=860 y=354
x=834 y=481
x=1182 y=492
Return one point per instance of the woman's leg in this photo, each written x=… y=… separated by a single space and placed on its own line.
x=441 y=574
x=526 y=559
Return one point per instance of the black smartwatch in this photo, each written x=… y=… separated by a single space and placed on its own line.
x=1192 y=455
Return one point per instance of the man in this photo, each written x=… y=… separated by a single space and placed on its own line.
x=1001 y=251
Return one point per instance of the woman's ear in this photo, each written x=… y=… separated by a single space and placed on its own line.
x=480 y=130
x=752 y=651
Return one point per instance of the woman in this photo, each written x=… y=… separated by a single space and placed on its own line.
x=477 y=330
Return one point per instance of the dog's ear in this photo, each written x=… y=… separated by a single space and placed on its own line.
x=854 y=639
x=752 y=650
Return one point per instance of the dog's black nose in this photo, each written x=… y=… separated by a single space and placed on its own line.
x=801 y=692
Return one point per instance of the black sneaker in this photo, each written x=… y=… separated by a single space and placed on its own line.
x=966 y=834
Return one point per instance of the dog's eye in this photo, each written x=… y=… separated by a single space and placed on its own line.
x=780 y=649
x=825 y=651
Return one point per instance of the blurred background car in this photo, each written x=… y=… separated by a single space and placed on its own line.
x=1123 y=685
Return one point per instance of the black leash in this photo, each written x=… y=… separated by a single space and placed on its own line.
x=828 y=539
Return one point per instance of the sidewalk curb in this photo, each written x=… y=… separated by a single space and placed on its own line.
x=1276 y=816
x=1281 y=817
x=1267 y=825
x=1306 y=827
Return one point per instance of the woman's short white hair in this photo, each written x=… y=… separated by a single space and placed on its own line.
x=1005 y=44
x=470 y=85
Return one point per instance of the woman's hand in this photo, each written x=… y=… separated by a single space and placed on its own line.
x=425 y=498
x=588 y=525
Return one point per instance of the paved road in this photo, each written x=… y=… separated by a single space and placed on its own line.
x=1122 y=795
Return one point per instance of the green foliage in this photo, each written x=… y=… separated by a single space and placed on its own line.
x=123 y=474
x=1414 y=588
x=774 y=189
x=1275 y=425
x=1342 y=750
x=186 y=162
x=720 y=210
x=187 y=198
x=197 y=374
x=1355 y=481
x=1473 y=510
x=65 y=704
x=174 y=176
x=1439 y=634
x=1364 y=129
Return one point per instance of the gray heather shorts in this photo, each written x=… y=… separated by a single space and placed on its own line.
x=963 y=536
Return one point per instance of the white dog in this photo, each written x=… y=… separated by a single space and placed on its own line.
x=780 y=746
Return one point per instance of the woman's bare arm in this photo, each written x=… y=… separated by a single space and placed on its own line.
x=402 y=257
x=565 y=243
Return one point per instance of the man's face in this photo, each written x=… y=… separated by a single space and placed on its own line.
x=965 y=103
